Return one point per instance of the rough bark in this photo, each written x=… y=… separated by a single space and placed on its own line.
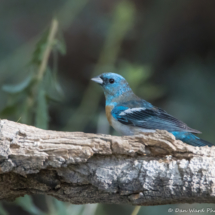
x=148 y=169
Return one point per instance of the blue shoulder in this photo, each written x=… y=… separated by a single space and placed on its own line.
x=117 y=110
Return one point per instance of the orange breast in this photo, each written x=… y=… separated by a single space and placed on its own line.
x=108 y=110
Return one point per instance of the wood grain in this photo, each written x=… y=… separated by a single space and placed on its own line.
x=148 y=169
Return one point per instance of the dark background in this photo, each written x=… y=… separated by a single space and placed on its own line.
x=165 y=49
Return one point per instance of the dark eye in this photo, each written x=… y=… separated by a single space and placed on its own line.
x=111 y=80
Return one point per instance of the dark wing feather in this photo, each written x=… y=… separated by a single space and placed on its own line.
x=150 y=118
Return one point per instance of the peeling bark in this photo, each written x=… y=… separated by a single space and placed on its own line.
x=148 y=169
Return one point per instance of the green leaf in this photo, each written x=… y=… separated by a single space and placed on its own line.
x=18 y=87
x=47 y=80
x=52 y=87
x=8 y=110
x=39 y=49
x=2 y=210
x=60 y=207
x=26 y=112
x=58 y=91
x=61 y=45
x=41 y=120
x=27 y=204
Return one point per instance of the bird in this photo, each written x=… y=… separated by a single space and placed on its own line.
x=130 y=115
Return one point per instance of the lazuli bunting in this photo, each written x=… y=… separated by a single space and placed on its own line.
x=130 y=115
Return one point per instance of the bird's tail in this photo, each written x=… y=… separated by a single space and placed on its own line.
x=193 y=140
x=198 y=142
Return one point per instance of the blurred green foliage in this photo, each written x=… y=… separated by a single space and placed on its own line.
x=27 y=204
x=2 y=210
x=28 y=100
x=139 y=80
x=123 y=17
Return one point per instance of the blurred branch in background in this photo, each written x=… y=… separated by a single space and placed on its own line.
x=136 y=210
x=16 y=60
x=123 y=18
x=47 y=51
x=28 y=100
x=16 y=108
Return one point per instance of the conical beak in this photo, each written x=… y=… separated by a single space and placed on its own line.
x=97 y=79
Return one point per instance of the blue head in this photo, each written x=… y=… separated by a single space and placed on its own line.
x=114 y=85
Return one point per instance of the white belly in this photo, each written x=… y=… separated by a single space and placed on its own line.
x=127 y=130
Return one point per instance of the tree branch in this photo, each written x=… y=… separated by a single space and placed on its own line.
x=148 y=169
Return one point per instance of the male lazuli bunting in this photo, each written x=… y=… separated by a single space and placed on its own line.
x=130 y=115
